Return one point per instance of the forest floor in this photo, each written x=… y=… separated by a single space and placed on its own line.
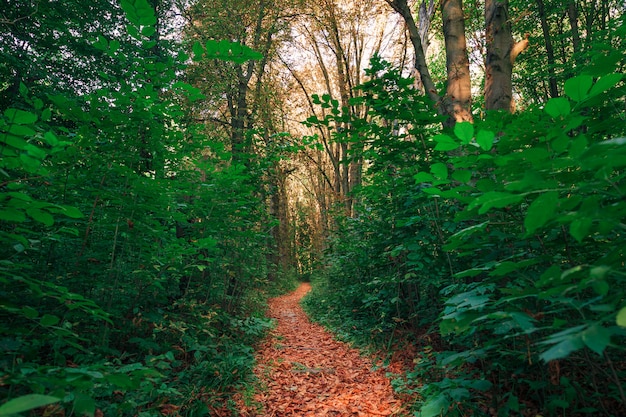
x=304 y=371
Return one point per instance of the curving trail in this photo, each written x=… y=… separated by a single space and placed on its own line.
x=305 y=372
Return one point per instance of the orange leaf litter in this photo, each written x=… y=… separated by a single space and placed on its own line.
x=305 y=372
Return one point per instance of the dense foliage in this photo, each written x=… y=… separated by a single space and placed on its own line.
x=497 y=247
x=134 y=253
x=144 y=220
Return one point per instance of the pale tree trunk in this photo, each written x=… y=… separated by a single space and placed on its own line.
x=501 y=54
x=458 y=99
x=425 y=16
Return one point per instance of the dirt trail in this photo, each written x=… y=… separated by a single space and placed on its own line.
x=305 y=372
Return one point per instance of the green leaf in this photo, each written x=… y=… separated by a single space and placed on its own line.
x=462 y=176
x=72 y=212
x=423 y=177
x=597 y=338
x=10 y=214
x=577 y=88
x=506 y=267
x=601 y=287
x=23 y=90
x=621 y=317
x=46 y=114
x=206 y=243
x=485 y=138
x=212 y=47
x=15 y=141
x=21 y=130
x=606 y=82
x=30 y=312
x=148 y=31
x=541 y=210
x=579 y=228
x=434 y=407
x=84 y=405
x=122 y=381
x=41 y=216
x=464 y=131
x=563 y=349
x=198 y=51
x=481 y=385
x=495 y=199
x=439 y=170
x=459 y=237
x=558 y=107
x=49 y=320
x=20 y=117
x=36 y=152
x=25 y=403
x=445 y=143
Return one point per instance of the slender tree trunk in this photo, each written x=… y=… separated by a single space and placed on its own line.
x=425 y=16
x=572 y=13
x=401 y=7
x=501 y=54
x=458 y=99
x=554 y=91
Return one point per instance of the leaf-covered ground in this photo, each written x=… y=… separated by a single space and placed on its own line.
x=305 y=372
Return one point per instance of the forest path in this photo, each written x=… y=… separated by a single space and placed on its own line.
x=305 y=372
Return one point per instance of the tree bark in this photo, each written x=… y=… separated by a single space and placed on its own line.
x=425 y=16
x=401 y=7
x=572 y=14
x=554 y=91
x=458 y=99
x=501 y=55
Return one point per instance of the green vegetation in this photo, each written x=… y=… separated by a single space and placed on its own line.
x=128 y=285
x=144 y=220
x=497 y=247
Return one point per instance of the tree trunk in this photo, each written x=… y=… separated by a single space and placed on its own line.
x=572 y=13
x=458 y=99
x=401 y=7
x=554 y=91
x=501 y=54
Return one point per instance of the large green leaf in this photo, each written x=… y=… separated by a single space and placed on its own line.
x=558 y=107
x=495 y=199
x=434 y=407
x=26 y=403
x=597 y=338
x=485 y=139
x=445 y=143
x=604 y=83
x=579 y=228
x=541 y=210
x=20 y=117
x=439 y=170
x=41 y=216
x=84 y=405
x=563 y=348
x=577 y=88
x=12 y=215
x=464 y=131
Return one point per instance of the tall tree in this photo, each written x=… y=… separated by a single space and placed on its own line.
x=341 y=36
x=501 y=55
x=421 y=66
x=230 y=86
x=458 y=98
